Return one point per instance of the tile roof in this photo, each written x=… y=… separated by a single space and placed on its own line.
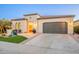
x=18 y=19
x=31 y=14
x=59 y=16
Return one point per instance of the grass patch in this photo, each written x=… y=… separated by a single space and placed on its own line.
x=14 y=39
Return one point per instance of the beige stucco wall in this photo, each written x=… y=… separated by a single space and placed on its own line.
x=76 y=23
x=69 y=21
x=23 y=25
x=32 y=17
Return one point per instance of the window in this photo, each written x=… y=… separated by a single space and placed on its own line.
x=17 y=25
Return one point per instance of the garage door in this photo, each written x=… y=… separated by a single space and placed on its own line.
x=55 y=27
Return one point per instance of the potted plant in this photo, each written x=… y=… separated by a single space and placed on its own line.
x=34 y=31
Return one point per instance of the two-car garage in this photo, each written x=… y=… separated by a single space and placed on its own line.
x=55 y=27
x=56 y=24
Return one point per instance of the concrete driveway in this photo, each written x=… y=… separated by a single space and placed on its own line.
x=55 y=43
x=44 y=44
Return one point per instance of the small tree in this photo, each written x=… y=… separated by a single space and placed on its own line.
x=4 y=25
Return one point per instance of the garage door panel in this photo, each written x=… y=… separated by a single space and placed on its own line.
x=55 y=27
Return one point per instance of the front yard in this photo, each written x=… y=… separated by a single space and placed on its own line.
x=14 y=39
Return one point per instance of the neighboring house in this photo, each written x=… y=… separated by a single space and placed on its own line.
x=45 y=24
x=76 y=23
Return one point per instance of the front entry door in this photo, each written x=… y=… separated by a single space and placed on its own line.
x=30 y=27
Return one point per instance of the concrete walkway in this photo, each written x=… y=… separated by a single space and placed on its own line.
x=28 y=35
x=44 y=44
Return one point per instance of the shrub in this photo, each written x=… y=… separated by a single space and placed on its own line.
x=14 y=32
x=76 y=29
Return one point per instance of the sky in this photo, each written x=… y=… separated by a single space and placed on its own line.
x=11 y=11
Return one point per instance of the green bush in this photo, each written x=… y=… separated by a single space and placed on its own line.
x=76 y=29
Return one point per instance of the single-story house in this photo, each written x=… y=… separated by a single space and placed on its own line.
x=61 y=24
